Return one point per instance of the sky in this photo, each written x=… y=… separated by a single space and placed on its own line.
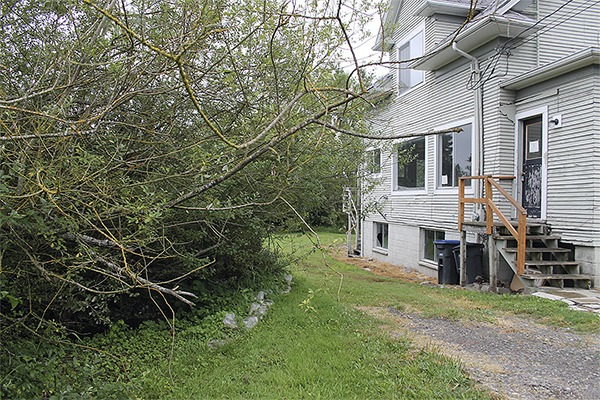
x=364 y=48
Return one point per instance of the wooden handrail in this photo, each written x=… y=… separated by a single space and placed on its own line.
x=491 y=182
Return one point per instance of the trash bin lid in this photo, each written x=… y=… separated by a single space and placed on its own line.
x=469 y=246
x=446 y=242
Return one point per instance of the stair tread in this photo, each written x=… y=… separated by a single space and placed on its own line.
x=557 y=276
x=528 y=237
x=539 y=250
x=500 y=224
x=545 y=263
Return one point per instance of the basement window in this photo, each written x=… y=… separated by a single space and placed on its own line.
x=381 y=235
x=429 y=237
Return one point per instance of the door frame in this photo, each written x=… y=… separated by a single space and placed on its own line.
x=519 y=151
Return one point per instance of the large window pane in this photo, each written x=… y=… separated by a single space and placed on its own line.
x=454 y=157
x=446 y=150
x=374 y=161
x=462 y=153
x=410 y=165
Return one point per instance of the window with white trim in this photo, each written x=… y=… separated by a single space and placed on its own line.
x=409 y=166
x=429 y=237
x=381 y=235
x=454 y=156
x=409 y=49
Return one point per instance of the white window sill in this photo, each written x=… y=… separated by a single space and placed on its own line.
x=453 y=190
x=410 y=89
x=408 y=192
x=380 y=250
x=428 y=264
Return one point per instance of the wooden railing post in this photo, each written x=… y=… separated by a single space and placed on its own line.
x=489 y=200
x=520 y=234
x=461 y=203
x=521 y=243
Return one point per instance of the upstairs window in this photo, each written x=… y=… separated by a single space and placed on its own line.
x=454 y=157
x=413 y=47
x=410 y=165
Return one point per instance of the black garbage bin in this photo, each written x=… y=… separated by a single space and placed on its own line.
x=447 y=270
x=474 y=261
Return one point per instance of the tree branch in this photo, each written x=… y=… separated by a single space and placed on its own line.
x=390 y=137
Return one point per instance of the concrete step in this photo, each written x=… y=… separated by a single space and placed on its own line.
x=557 y=280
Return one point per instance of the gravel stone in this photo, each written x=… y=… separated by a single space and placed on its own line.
x=515 y=359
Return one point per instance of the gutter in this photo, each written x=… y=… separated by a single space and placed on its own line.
x=473 y=36
x=478 y=111
x=474 y=60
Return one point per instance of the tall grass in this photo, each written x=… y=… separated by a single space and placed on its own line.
x=313 y=343
x=312 y=346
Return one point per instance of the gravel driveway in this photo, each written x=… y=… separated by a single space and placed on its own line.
x=515 y=359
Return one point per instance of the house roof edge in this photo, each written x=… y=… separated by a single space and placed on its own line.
x=575 y=61
x=471 y=38
x=389 y=19
x=431 y=7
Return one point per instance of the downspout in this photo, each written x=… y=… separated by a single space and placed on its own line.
x=478 y=105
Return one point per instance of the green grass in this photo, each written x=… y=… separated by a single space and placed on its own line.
x=311 y=346
x=313 y=343
x=364 y=288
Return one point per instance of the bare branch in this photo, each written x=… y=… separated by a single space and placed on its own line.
x=390 y=137
x=259 y=152
x=46 y=135
x=145 y=283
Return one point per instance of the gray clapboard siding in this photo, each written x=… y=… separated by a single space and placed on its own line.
x=419 y=110
x=572 y=191
x=574 y=27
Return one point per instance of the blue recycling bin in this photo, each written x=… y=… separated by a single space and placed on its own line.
x=447 y=270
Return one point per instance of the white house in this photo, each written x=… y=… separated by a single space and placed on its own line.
x=521 y=81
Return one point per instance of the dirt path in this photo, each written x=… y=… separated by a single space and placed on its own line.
x=514 y=358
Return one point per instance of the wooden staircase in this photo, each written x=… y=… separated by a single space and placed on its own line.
x=547 y=263
x=534 y=254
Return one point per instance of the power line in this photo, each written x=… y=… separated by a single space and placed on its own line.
x=553 y=24
x=511 y=44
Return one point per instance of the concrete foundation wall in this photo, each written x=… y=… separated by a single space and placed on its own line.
x=589 y=262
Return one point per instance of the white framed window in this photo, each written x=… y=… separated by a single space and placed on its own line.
x=373 y=161
x=411 y=47
x=454 y=156
x=410 y=165
x=381 y=235
x=429 y=237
